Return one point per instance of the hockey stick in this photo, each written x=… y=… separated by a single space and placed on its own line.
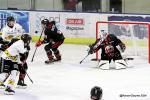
x=98 y=63
x=37 y=47
x=128 y=59
x=29 y=78
x=27 y=73
x=84 y=58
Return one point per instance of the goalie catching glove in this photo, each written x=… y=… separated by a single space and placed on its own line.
x=121 y=47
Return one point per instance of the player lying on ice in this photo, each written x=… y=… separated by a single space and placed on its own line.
x=111 y=48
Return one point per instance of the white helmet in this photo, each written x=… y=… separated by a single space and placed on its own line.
x=103 y=34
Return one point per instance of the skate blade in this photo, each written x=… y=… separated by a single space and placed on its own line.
x=21 y=87
x=52 y=62
x=9 y=93
x=49 y=62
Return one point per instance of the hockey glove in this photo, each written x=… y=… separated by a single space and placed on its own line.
x=4 y=47
x=27 y=47
x=91 y=51
x=38 y=43
x=121 y=47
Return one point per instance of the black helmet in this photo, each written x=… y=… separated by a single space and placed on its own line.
x=10 y=18
x=26 y=38
x=53 y=22
x=96 y=93
x=45 y=21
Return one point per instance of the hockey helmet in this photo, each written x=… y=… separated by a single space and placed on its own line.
x=10 y=18
x=103 y=34
x=45 y=21
x=26 y=38
x=96 y=93
x=53 y=22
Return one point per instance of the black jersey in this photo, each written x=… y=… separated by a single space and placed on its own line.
x=110 y=40
x=52 y=33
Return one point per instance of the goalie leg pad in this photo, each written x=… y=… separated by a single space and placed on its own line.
x=120 y=64
x=112 y=64
x=104 y=64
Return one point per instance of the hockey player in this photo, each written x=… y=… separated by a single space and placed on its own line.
x=54 y=38
x=111 y=47
x=12 y=29
x=12 y=32
x=96 y=93
x=10 y=62
x=23 y=68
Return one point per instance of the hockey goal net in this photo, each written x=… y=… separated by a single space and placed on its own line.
x=135 y=35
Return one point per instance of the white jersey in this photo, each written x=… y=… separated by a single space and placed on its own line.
x=9 y=33
x=12 y=53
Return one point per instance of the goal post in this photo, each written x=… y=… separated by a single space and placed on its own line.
x=135 y=35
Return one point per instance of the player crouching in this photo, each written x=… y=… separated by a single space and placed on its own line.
x=111 y=48
x=10 y=62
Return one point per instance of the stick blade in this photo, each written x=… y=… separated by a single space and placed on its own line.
x=80 y=62
x=32 y=81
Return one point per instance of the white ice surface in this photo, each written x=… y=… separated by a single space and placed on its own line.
x=69 y=80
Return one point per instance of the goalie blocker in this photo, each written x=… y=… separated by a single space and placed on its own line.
x=111 y=49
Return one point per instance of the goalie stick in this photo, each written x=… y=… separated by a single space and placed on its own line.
x=84 y=58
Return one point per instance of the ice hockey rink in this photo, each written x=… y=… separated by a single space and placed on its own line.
x=69 y=80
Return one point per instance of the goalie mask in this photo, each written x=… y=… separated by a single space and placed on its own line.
x=109 y=50
x=103 y=34
x=96 y=93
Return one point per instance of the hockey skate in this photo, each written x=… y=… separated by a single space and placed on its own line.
x=2 y=86
x=49 y=61
x=9 y=91
x=57 y=59
x=50 y=58
x=21 y=84
x=52 y=61
x=57 y=56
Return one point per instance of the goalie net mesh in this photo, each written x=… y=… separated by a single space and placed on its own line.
x=135 y=35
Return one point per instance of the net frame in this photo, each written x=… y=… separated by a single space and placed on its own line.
x=98 y=24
